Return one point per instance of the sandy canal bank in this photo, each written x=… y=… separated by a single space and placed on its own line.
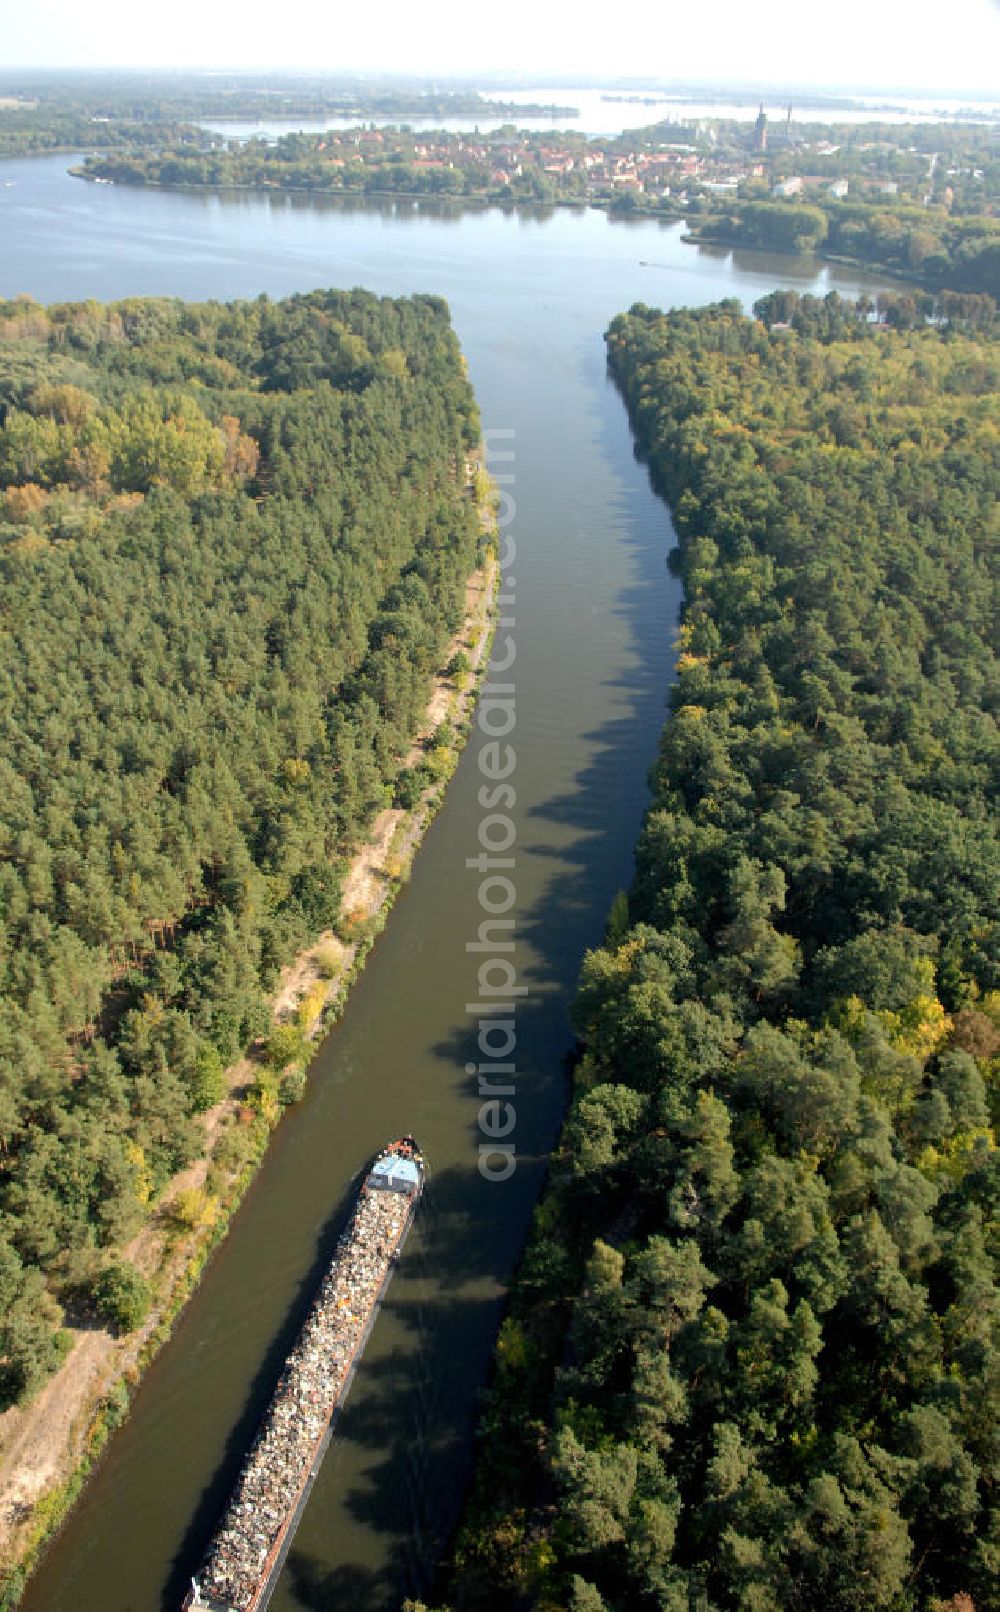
x=48 y=1446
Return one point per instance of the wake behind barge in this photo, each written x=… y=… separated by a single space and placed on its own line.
x=249 y=1547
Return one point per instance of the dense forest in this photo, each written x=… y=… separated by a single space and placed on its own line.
x=234 y=541
x=750 y=1358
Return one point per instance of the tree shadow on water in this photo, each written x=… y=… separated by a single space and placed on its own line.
x=339 y=1589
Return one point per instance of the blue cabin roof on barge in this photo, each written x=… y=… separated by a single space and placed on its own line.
x=395 y=1173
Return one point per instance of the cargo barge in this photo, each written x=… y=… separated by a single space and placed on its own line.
x=247 y=1551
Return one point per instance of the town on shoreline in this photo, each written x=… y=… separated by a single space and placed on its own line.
x=916 y=200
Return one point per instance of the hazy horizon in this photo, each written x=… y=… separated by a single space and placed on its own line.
x=524 y=84
x=860 y=49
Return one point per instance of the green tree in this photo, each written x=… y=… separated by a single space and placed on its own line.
x=122 y=1296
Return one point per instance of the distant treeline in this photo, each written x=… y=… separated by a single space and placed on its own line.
x=750 y=1358
x=24 y=132
x=94 y=110
x=234 y=541
x=159 y=96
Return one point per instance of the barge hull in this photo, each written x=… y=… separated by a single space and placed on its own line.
x=284 y=1544
x=248 y=1551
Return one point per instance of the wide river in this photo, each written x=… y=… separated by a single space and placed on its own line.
x=595 y=608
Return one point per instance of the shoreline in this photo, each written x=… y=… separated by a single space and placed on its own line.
x=859 y=265
x=601 y=204
x=612 y=205
x=49 y=1447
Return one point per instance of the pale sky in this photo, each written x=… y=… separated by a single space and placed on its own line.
x=930 y=45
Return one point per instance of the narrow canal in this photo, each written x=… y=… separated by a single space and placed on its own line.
x=593 y=617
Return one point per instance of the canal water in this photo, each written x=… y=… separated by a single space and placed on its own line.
x=594 y=611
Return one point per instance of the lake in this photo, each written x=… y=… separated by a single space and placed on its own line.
x=612 y=112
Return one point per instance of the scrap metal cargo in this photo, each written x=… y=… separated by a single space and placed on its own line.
x=248 y=1549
